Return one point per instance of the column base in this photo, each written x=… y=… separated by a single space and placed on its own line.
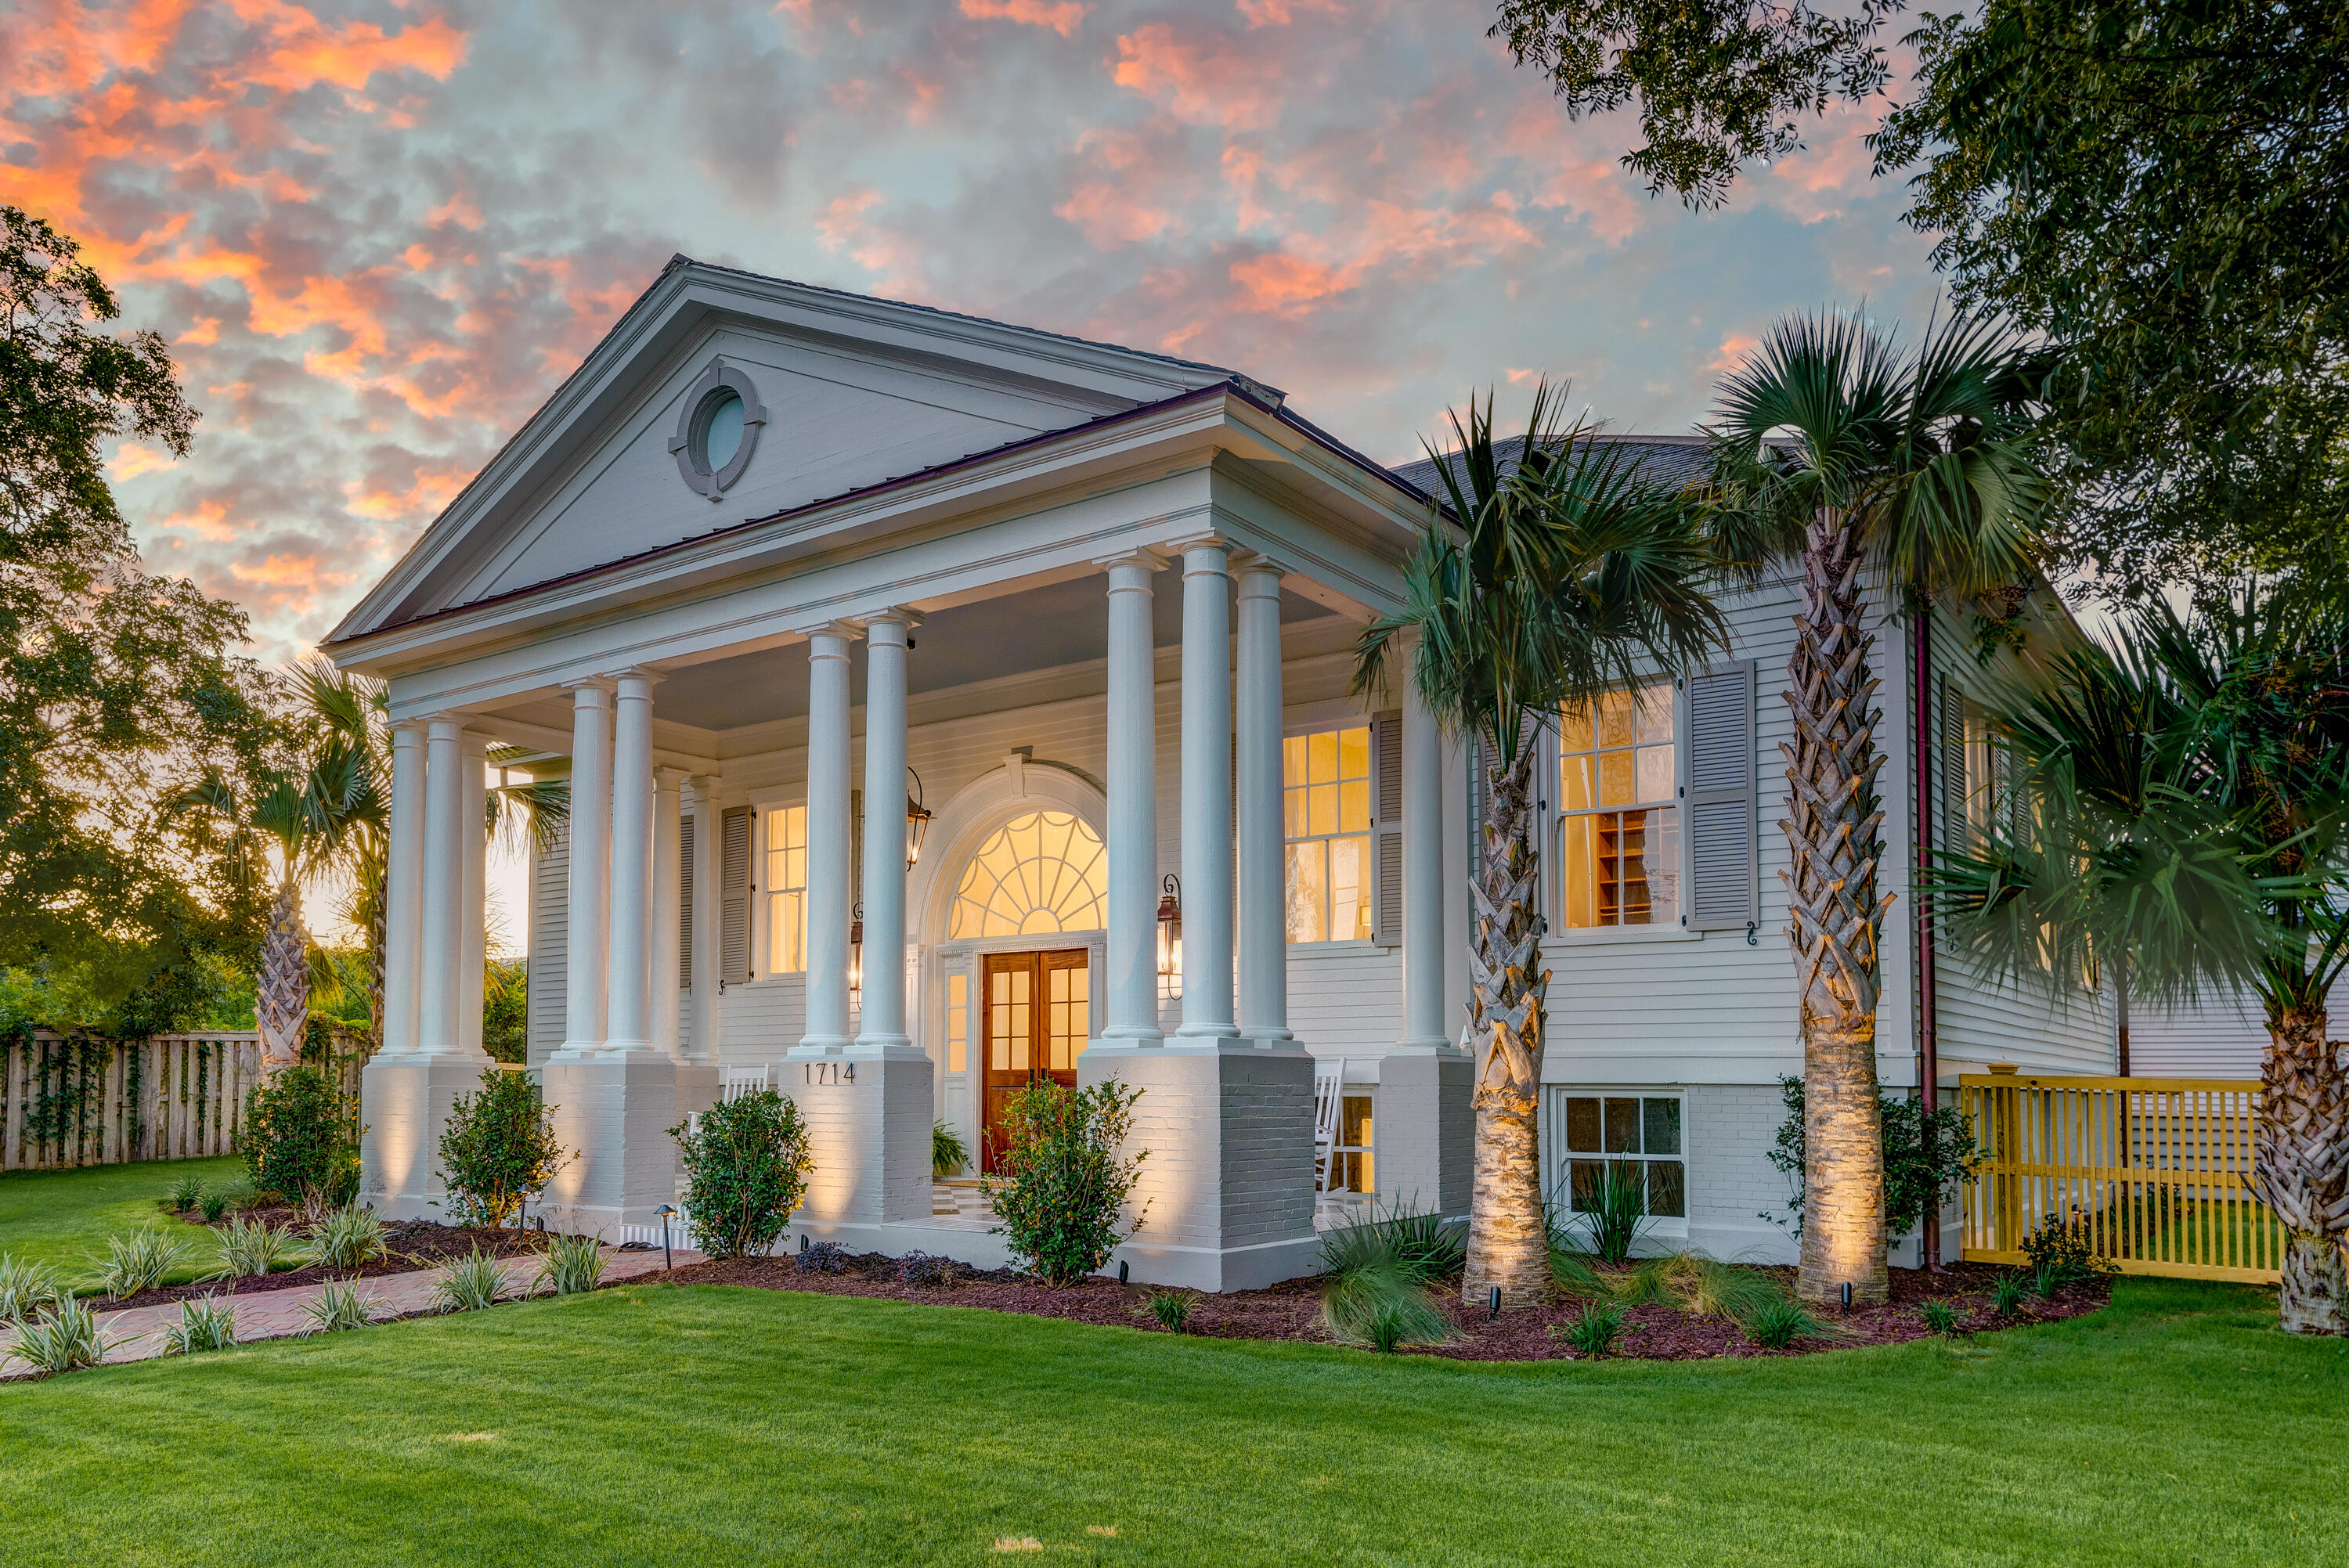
x=613 y=1110
x=868 y=1110
x=1426 y=1131
x=404 y=1104
x=1227 y=1195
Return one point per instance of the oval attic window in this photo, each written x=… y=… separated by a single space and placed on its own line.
x=721 y=428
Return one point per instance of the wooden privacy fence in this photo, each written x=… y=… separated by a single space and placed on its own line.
x=2157 y=1171
x=72 y=1100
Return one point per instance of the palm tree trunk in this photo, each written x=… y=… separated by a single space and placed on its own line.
x=1834 y=912
x=2300 y=1166
x=1508 y=1242
x=283 y=999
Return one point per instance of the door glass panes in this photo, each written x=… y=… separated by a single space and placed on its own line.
x=1071 y=1016
x=1637 y=1138
x=1619 y=866
x=1043 y=874
x=786 y=894
x=1006 y=1030
x=1325 y=811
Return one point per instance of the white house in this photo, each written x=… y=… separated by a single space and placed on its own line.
x=905 y=665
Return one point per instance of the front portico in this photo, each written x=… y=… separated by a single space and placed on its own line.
x=1051 y=587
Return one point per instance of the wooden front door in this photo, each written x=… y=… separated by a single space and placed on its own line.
x=1039 y=1014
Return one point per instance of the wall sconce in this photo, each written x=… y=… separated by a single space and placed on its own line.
x=856 y=952
x=1170 y=938
x=917 y=821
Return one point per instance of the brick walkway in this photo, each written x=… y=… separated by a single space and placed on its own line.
x=138 y=1331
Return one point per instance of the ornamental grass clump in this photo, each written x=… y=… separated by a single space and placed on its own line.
x=1941 y=1318
x=499 y=1143
x=1172 y=1308
x=250 y=1249
x=2005 y=1295
x=1614 y=1213
x=138 y=1262
x=300 y=1138
x=469 y=1285
x=339 y=1305
x=573 y=1264
x=1375 y=1284
x=187 y=1192
x=1596 y=1331
x=1066 y=1177
x=61 y=1340
x=349 y=1239
x=205 y=1325
x=25 y=1287
x=1779 y=1324
x=746 y=1165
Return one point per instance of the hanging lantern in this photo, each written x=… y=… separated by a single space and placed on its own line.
x=1170 y=938
x=917 y=821
x=856 y=953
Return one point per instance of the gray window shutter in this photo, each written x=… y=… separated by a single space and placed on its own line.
x=1953 y=766
x=734 y=896
x=685 y=902
x=1723 y=859
x=1386 y=769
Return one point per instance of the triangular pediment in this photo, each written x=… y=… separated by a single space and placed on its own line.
x=832 y=393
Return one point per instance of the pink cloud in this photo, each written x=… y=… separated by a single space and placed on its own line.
x=1061 y=15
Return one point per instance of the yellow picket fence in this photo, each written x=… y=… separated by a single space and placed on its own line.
x=2158 y=1170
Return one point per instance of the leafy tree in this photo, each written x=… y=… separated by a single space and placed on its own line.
x=1542 y=583
x=498 y=1144
x=2158 y=189
x=2188 y=819
x=746 y=1165
x=505 y=1011
x=115 y=686
x=1834 y=450
x=299 y=1139
x=1064 y=1177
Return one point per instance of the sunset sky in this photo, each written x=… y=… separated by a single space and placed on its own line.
x=378 y=234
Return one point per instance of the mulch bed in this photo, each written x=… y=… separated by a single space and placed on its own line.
x=1292 y=1311
x=413 y=1244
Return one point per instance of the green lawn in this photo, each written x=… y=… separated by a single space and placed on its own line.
x=61 y=1217
x=708 y=1426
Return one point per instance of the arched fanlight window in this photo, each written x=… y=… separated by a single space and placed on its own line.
x=1038 y=875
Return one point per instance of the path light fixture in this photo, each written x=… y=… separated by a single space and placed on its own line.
x=856 y=952
x=917 y=819
x=664 y=1210
x=1493 y=1308
x=1170 y=938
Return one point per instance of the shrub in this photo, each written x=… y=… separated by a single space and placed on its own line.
x=138 y=1262
x=349 y=1239
x=1596 y=1331
x=823 y=1258
x=205 y=1325
x=1927 y=1154
x=249 y=1249
x=573 y=1264
x=2005 y=1295
x=471 y=1283
x=1941 y=1318
x=924 y=1268
x=63 y=1337
x=187 y=1192
x=948 y=1154
x=746 y=1167
x=337 y=1307
x=1066 y=1177
x=1615 y=1211
x=1172 y=1308
x=25 y=1287
x=2067 y=1247
x=1782 y=1323
x=298 y=1139
x=1374 y=1282
x=498 y=1144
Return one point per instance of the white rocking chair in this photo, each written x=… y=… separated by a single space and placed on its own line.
x=741 y=1081
x=1329 y=1089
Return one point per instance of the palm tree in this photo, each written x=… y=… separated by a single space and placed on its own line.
x=1833 y=450
x=1538 y=586
x=2188 y=796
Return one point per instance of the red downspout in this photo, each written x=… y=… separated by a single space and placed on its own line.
x=1928 y=1075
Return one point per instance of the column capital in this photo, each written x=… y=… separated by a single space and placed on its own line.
x=580 y=690
x=409 y=731
x=444 y=725
x=845 y=629
x=1150 y=558
x=1255 y=563
x=477 y=742
x=705 y=786
x=890 y=625
x=1184 y=544
x=640 y=674
x=670 y=777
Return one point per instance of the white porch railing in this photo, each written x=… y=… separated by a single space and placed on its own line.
x=68 y=1101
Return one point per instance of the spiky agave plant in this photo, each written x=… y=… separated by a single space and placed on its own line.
x=1545 y=578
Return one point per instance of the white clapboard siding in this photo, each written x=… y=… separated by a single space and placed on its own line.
x=2216 y=1037
x=170 y=1096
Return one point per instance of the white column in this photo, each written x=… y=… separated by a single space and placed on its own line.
x=1263 y=873
x=1423 y=874
x=629 y=1026
x=473 y=899
x=1130 y=997
x=828 y=836
x=883 y=1022
x=669 y=889
x=403 y=896
x=439 y=987
x=585 y=974
x=705 y=918
x=1207 y=792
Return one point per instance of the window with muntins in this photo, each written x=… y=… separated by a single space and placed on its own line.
x=1635 y=1136
x=1043 y=874
x=1326 y=801
x=1619 y=829
x=786 y=890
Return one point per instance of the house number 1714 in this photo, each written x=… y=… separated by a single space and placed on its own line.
x=827 y=1072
